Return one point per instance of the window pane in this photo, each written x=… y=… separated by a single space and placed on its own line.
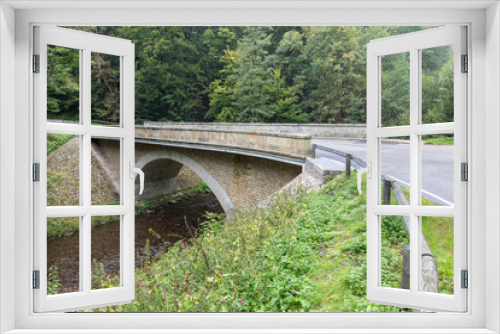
x=63 y=170
x=437 y=169
x=105 y=171
x=437 y=254
x=395 y=253
x=63 y=84
x=63 y=255
x=395 y=166
x=437 y=84
x=395 y=85
x=105 y=252
x=105 y=89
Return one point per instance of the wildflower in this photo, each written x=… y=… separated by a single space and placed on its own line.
x=242 y=302
x=206 y=289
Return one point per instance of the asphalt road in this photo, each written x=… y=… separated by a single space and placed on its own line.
x=437 y=164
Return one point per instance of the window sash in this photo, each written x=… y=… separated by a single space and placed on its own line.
x=413 y=43
x=86 y=297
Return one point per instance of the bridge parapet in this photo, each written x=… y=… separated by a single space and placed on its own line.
x=286 y=144
x=316 y=130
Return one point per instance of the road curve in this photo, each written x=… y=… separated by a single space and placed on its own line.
x=437 y=164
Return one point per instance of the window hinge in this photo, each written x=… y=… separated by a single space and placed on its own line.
x=464 y=171
x=36 y=63
x=465 y=279
x=36 y=279
x=36 y=172
x=465 y=63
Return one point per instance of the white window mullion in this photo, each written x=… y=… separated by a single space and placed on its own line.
x=86 y=168
x=127 y=103
x=373 y=156
x=434 y=129
x=388 y=132
x=85 y=246
x=414 y=168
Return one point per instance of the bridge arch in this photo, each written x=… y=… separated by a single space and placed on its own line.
x=213 y=184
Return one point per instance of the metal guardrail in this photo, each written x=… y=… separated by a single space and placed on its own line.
x=348 y=157
x=429 y=273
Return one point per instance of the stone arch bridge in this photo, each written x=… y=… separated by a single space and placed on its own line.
x=242 y=168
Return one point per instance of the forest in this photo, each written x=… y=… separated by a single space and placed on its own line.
x=252 y=74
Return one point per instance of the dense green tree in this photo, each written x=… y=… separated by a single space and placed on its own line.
x=251 y=77
x=335 y=59
x=63 y=76
x=283 y=106
x=252 y=74
x=437 y=85
x=222 y=96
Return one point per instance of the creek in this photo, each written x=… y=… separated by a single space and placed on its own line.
x=171 y=221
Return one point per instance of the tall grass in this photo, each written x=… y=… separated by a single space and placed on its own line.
x=302 y=254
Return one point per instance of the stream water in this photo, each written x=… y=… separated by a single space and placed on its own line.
x=172 y=221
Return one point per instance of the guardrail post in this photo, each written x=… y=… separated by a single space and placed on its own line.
x=405 y=278
x=348 y=165
x=387 y=192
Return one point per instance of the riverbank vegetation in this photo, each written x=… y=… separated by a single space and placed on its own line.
x=305 y=254
x=62 y=226
x=54 y=141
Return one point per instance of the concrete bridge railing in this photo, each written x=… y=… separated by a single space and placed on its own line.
x=284 y=144
x=314 y=130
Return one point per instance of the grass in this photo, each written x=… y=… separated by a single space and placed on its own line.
x=306 y=254
x=440 y=141
x=439 y=234
x=54 y=141
x=340 y=277
x=302 y=254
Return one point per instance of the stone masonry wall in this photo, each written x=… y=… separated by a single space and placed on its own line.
x=286 y=144
x=246 y=180
x=313 y=130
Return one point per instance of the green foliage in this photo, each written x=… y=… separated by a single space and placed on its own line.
x=255 y=262
x=65 y=226
x=302 y=254
x=105 y=82
x=63 y=91
x=252 y=77
x=439 y=234
x=251 y=74
x=440 y=141
x=335 y=71
x=395 y=78
x=54 y=141
x=437 y=85
x=53 y=282
x=144 y=205
x=340 y=277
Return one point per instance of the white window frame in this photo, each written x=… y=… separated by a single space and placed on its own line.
x=483 y=310
x=85 y=43
x=413 y=44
